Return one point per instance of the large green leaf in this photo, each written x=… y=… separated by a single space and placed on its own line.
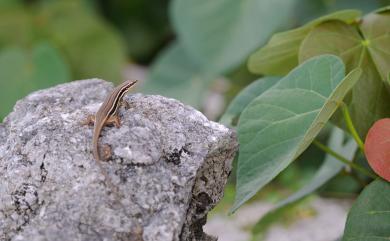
x=92 y=47
x=230 y=117
x=369 y=217
x=280 y=55
x=370 y=98
x=280 y=124
x=174 y=74
x=220 y=34
x=23 y=71
x=345 y=40
x=329 y=169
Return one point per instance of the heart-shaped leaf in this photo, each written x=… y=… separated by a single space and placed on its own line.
x=230 y=117
x=280 y=55
x=369 y=218
x=280 y=124
x=377 y=148
x=366 y=48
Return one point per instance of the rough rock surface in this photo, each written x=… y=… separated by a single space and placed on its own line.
x=168 y=162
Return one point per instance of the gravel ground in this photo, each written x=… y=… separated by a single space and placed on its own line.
x=330 y=213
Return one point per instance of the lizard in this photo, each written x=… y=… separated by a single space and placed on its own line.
x=106 y=114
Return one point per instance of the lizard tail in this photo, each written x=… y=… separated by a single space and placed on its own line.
x=95 y=144
x=95 y=150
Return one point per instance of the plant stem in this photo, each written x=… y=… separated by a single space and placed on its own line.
x=360 y=180
x=344 y=160
x=351 y=127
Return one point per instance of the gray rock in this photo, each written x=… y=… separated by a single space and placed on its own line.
x=169 y=163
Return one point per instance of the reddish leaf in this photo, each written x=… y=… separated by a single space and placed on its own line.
x=377 y=148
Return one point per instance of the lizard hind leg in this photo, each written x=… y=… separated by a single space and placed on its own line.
x=107 y=152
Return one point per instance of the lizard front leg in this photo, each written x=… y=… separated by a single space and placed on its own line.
x=90 y=120
x=114 y=119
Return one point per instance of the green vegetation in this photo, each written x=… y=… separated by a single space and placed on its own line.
x=44 y=43
x=277 y=126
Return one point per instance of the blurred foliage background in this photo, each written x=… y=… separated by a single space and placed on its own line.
x=193 y=50
x=186 y=45
x=47 y=42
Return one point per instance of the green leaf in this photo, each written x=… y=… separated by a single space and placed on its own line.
x=174 y=74
x=370 y=99
x=375 y=28
x=334 y=37
x=383 y=10
x=280 y=55
x=221 y=34
x=23 y=71
x=92 y=47
x=233 y=111
x=280 y=124
x=388 y=79
x=369 y=217
x=329 y=169
x=50 y=68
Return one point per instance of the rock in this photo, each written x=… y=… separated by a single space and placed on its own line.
x=168 y=163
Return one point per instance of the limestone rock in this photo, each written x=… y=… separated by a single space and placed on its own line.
x=168 y=162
